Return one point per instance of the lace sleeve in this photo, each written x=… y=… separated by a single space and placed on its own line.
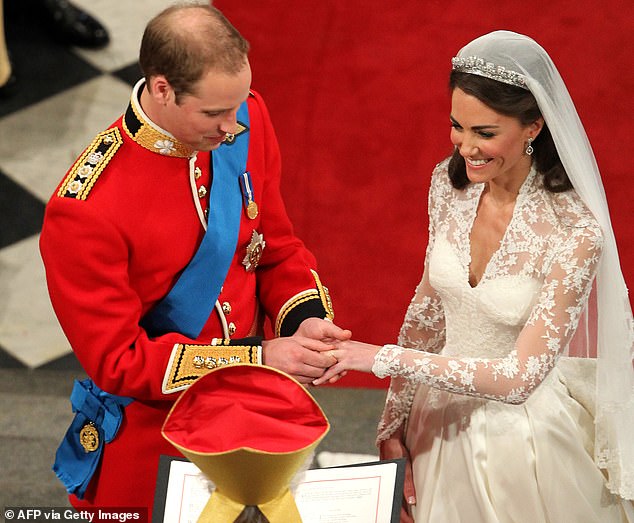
x=423 y=329
x=547 y=332
x=424 y=324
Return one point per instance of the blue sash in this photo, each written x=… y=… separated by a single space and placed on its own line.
x=76 y=462
x=188 y=305
x=185 y=309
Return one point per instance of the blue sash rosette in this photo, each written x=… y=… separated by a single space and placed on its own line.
x=98 y=416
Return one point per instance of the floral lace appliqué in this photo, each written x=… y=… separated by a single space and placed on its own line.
x=500 y=339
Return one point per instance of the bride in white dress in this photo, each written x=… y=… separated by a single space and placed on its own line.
x=497 y=419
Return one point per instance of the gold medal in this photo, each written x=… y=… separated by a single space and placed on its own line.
x=89 y=437
x=252 y=210
x=247 y=196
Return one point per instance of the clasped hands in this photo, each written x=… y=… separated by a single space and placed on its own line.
x=318 y=352
x=321 y=352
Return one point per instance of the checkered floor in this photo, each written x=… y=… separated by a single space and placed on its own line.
x=66 y=96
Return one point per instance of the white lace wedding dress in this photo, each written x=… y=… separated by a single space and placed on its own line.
x=494 y=432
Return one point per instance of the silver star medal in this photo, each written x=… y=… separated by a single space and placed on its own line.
x=254 y=251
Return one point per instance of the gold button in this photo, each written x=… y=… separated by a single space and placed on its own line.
x=226 y=307
x=202 y=191
x=232 y=329
x=197 y=173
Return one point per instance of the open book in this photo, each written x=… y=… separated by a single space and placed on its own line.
x=359 y=493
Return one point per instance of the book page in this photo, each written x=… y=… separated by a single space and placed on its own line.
x=361 y=493
x=187 y=493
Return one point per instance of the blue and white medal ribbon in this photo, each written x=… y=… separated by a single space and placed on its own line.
x=247 y=195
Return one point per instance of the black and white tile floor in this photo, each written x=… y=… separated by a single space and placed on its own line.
x=67 y=95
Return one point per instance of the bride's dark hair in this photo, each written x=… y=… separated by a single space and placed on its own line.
x=515 y=102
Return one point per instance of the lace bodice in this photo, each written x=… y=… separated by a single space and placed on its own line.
x=499 y=339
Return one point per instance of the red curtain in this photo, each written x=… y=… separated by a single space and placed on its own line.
x=357 y=92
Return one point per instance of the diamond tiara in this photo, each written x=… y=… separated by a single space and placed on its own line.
x=479 y=66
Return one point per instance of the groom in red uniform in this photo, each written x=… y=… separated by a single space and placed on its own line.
x=164 y=245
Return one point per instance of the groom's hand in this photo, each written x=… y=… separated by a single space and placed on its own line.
x=305 y=359
x=323 y=330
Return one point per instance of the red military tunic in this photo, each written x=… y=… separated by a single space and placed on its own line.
x=123 y=224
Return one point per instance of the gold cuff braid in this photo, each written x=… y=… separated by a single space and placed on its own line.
x=319 y=293
x=189 y=362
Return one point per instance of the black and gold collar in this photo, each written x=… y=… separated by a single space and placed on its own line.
x=149 y=135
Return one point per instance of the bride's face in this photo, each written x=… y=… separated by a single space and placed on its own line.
x=492 y=144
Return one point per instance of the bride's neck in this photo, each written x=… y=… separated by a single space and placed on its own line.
x=503 y=190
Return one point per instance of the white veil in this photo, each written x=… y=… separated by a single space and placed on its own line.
x=516 y=59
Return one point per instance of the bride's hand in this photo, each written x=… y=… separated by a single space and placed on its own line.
x=350 y=355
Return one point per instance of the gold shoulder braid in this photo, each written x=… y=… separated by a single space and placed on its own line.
x=83 y=175
x=189 y=362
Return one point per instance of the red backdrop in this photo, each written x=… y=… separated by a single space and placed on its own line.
x=357 y=93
